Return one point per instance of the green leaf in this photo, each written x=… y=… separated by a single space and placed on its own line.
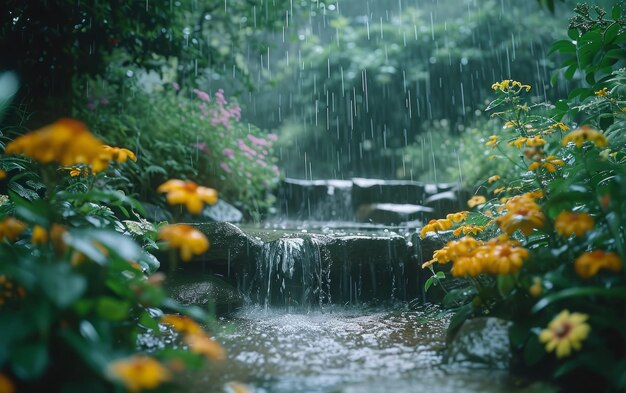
x=533 y=351
x=30 y=360
x=611 y=33
x=147 y=321
x=61 y=284
x=616 y=293
x=573 y=34
x=461 y=314
x=506 y=284
x=112 y=309
x=562 y=46
x=616 y=12
x=570 y=71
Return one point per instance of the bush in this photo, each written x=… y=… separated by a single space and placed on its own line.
x=185 y=134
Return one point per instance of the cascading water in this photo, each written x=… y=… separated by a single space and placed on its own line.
x=292 y=272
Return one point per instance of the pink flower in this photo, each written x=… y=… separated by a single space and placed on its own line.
x=201 y=146
x=219 y=96
x=261 y=162
x=202 y=95
x=275 y=170
x=257 y=141
x=245 y=148
x=225 y=167
x=272 y=137
x=175 y=86
x=229 y=153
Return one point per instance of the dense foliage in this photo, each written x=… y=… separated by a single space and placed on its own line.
x=79 y=290
x=544 y=247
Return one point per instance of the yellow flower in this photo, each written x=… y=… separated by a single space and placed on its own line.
x=499 y=190
x=181 y=324
x=523 y=213
x=519 y=142
x=237 y=387
x=40 y=236
x=509 y=85
x=535 y=141
x=536 y=289
x=565 y=333
x=6 y=386
x=138 y=373
x=585 y=134
x=476 y=200
x=436 y=226
x=457 y=217
x=503 y=258
x=493 y=140
x=467 y=230
x=570 y=223
x=181 y=192
x=56 y=236
x=550 y=163
x=11 y=228
x=560 y=125
x=511 y=124
x=588 y=264
x=189 y=240
x=67 y=142
x=118 y=154
x=203 y=345
x=603 y=92
x=77 y=171
x=493 y=178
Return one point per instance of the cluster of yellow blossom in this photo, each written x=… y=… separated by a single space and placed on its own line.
x=443 y=224
x=533 y=141
x=510 y=85
x=589 y=264
x=550 y=163
x=523 y=213
x=189 y=240
x=467 y=230
x=472 y=257
x=195 y=336
x=560 y=125
x=570 y=223
x=493 y=141
x=602 y=92
x=68 y=142
x=188 y=193
x=11 y=228
x=585 y=134
x=565 y=333
x=493 y=178
x=138 y=372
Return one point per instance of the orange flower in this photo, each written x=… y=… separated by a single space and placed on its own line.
x=588 y=264
x=550 y=163
x=536 y=289
x=523 y=213
x=6 y=386
x=181 y=192
x=181 y=324
x=3 y=174
x=585 y=134
x=40 y=236
x=189 y=240
x=11 y=228
x=67 y=142
x=493 y=178
x=476 y=200
x=118 y=154
x=467 y=230
x=493 y=141
x=436 y=226
x=138 y=373
x=504 y=258
x=457 y=217
x=203 y=345
x=569 y=223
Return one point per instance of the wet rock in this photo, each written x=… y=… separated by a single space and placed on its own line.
x=206 y=291
x=444 y=203
x=392 y=213
x=228 y=242
x=369 y=191
x=481 y=343
x=221 y=211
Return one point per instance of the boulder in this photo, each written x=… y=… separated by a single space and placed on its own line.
x=481 y=343
x=221 y=211
x=205 y=291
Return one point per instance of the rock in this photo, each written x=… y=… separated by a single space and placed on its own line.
x=204 y=291
x=369 y=191
x=222 y=211
x=443 y=203
x=392 y=213
x=481 y=343
x=227 y=242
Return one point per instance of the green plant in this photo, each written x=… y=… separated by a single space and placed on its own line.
x=186 y=134
x=79 y=287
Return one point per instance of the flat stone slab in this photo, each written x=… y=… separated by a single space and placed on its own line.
x=393 y=213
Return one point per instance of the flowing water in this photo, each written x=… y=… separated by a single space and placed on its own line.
x=347 y=350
